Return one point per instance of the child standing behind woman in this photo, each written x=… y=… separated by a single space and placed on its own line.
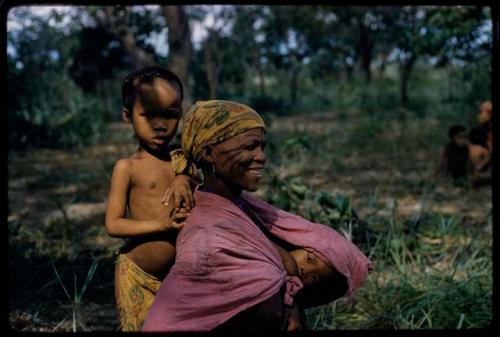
x=152 y=99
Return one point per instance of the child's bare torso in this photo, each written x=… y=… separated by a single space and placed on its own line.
x=150 y=179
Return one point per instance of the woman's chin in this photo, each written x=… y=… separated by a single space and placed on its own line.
x=252 y=187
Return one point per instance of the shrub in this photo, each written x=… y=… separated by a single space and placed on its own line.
x=57 y=114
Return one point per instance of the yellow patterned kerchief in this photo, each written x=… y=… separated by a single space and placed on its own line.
x=208 y=123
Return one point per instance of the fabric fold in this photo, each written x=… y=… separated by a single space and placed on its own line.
x=225 y=264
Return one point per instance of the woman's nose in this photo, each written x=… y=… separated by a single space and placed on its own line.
x=260 y=156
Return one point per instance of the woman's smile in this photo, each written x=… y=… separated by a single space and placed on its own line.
x=256 y=171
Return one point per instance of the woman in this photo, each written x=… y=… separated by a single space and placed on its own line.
x=228 y=273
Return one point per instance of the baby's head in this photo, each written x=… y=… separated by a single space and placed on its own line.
x=152 y=98
x=312 y=269
x=485 y=112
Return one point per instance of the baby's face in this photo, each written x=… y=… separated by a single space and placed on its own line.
x=311 y=268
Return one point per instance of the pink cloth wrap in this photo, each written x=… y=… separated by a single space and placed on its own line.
x=225 y=264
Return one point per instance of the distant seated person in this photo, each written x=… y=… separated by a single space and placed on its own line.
x=463 y=160
x=479 y=162
x=481 y=134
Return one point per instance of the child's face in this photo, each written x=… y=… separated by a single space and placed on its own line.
x=485 y=110
x=311 y=268
x=460 y=139
x=155 y=114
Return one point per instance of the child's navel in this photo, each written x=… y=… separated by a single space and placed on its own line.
x=152 y=185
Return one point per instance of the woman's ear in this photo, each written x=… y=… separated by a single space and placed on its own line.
x=126 y=115
x=207 y=154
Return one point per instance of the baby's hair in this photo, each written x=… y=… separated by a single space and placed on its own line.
x=325 y=291
x=147 y=75
x=454 y=130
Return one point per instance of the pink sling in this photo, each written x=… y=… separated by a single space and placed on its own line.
x=225 y=264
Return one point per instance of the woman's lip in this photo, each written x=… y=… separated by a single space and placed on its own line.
x=256 y=172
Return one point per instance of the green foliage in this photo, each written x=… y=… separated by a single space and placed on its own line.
x=50 y=111
x=58 y=115
x=319 y=206
x=269 y=105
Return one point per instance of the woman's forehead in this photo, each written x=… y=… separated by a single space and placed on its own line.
x=257 y=133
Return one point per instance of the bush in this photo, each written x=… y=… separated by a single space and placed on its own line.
x=57 y=114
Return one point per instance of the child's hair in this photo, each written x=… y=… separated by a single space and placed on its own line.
x=454 y=130
x=147 y=75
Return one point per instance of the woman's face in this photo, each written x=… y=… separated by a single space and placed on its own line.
x=239 y=161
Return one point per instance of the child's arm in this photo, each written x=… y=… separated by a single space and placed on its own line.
x=293 y=321
x=484 y=159
x=116 y=223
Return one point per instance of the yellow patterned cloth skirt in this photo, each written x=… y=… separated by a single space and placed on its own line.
x=135 y=291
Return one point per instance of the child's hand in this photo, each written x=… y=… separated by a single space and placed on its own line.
x=175 y=220
x=293 y=318
x=179 y=216
x=181 y=192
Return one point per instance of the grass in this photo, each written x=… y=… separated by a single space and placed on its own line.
x=75 y=301
x=429 y=272
x=430 y=241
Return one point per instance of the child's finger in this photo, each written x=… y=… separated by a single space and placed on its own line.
x=188 y=197
x=179 y=225
x=182 y=215
x=177 y=200
x=166 y=196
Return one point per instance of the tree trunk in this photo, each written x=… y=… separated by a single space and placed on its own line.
x=404 y=73
x=141 y=58
x=120 y=28
x=257 y=65
x=209 y=49
x=367 y=61
x=294 y=84
x=383 y=63
x=366 y=48
x=348 y=70
x=262 y=83
x=179 y=44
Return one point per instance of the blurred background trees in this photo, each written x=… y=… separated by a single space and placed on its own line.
x=65 y=65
